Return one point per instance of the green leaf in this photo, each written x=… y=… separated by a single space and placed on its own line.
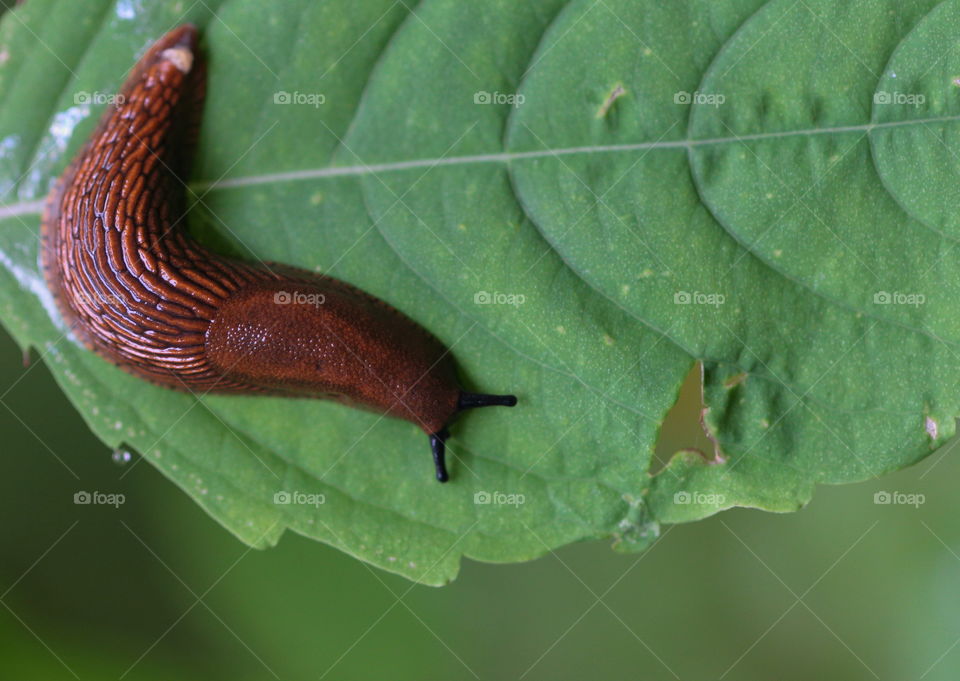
x=582 y=200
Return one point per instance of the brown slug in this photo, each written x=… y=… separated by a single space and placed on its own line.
x=137 y=289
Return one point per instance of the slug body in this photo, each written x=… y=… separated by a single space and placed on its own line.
x=137 y=289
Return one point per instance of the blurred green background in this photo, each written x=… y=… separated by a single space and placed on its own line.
x=154 y=589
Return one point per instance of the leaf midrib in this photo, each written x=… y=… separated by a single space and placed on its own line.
x=35 y=207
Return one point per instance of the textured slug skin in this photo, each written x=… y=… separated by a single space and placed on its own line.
x=135 y=288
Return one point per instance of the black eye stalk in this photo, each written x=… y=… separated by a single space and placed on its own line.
x=466 y=401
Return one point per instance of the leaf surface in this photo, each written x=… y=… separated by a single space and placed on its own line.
x=581 y=200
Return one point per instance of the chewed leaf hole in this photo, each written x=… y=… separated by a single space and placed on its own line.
x=683 y=428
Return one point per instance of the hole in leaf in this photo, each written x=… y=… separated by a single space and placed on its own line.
x=683 y=427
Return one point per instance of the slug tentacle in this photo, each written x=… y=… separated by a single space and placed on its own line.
x=438 y=443
x=474 y=400
x=137 y=289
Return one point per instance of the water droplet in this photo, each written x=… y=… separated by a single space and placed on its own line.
x=121 y=457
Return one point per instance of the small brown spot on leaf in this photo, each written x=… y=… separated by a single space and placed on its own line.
x=735 y=380
x=616 y=93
